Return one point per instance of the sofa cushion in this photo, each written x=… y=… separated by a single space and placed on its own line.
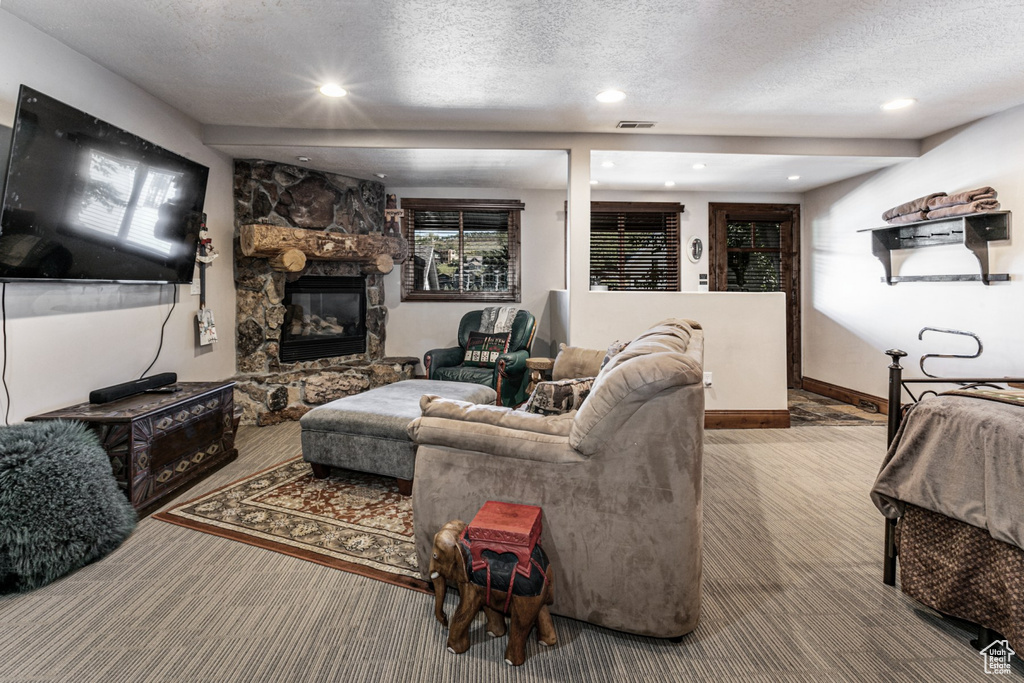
x=483 y=349
x=559 y=397
x=461 y=373
x=669 y=354
x=576 y=361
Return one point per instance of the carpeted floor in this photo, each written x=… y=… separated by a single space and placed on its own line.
x=792 y=592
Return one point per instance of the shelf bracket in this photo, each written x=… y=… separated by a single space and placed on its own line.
x=883 y=252
x=978 y=246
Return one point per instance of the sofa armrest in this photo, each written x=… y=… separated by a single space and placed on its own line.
x=442 y=358
x=494 y=430
x=498 y=416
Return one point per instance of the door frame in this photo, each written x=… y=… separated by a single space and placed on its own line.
x=719 y=215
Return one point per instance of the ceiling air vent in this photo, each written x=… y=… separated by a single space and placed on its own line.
x=635 y=124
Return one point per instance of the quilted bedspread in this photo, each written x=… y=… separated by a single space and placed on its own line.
x=962 y=457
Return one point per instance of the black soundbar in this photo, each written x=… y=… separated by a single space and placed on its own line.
x=112 y=393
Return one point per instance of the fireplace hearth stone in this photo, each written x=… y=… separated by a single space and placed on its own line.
x=267 y=399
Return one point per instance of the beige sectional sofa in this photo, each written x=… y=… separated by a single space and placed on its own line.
x=619 y=481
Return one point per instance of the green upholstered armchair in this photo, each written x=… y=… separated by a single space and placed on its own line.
x=507 y=377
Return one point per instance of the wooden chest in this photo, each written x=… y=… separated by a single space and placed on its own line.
x=161 y=443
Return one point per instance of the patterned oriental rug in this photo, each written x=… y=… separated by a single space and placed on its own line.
x=351 y=521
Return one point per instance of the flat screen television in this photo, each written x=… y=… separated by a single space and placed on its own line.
x=87 y=201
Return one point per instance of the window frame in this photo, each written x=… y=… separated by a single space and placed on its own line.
x=673 y=242
x=514 y=207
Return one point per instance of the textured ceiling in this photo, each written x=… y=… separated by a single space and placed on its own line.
x=804 y=68
x=723 y=67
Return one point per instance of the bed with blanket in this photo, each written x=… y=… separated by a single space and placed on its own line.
x=953 y=477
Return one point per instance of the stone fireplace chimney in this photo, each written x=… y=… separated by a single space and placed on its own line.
x=268 y=389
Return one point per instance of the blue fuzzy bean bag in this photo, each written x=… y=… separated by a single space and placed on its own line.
x=60 y=507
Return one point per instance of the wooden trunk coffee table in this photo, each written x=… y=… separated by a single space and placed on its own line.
x=161 y=443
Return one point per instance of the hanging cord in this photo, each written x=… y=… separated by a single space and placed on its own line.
x=158 y=348
x=3 y=373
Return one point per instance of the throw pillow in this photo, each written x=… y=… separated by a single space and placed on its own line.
x=574 y=361
x=614 y=350
x=482 y=350
x=558 y=397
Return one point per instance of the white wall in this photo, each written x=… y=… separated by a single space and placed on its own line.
x=414 y=327
x=744 y=337
x=850 y=317
x=63 y=340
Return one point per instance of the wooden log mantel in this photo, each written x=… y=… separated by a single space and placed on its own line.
x=376 y=253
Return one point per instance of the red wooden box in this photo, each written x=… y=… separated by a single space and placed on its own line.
x=505 y=528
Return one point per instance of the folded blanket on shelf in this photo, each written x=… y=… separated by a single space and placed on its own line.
x=964 y=209
x=965 y=197
x=919 y=204
x=908 y=218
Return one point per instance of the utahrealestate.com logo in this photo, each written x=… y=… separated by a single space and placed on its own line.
x=997 y=657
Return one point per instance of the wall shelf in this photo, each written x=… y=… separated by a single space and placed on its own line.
x=974 y=231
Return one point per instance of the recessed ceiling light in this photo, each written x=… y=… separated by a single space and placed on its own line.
x=607 y=164
x=333 y=90
x=670 y=183
x=593 y=182
x=901 y=103
x=611 y=96
x=382 y=176
x=793 y=177
x=699 y=166
x=303 y=159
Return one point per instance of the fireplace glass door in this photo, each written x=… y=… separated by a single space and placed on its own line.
x=324 y=317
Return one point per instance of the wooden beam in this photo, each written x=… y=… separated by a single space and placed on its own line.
x=257 y=239
x=288 y=261
x=383 y=263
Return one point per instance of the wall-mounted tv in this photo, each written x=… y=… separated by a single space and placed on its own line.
x=86 y=200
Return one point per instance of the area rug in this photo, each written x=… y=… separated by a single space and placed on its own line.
x=351 y=521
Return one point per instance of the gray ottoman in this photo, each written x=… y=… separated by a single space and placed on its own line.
x=366 y=432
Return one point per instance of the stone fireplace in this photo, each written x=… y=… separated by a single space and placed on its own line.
x=298 y=343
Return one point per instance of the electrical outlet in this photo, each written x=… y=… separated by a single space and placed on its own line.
x=707 y=379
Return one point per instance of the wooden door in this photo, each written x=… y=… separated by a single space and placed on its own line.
x=756 y=248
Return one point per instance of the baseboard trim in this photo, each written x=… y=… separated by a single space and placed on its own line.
x=851 y=396
x=746 y=419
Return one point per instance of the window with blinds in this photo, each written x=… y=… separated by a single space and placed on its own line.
x=635 y=245
x=754 y=256
x=461 y=250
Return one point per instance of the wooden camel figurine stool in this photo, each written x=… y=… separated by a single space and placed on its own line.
x=499 y=567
